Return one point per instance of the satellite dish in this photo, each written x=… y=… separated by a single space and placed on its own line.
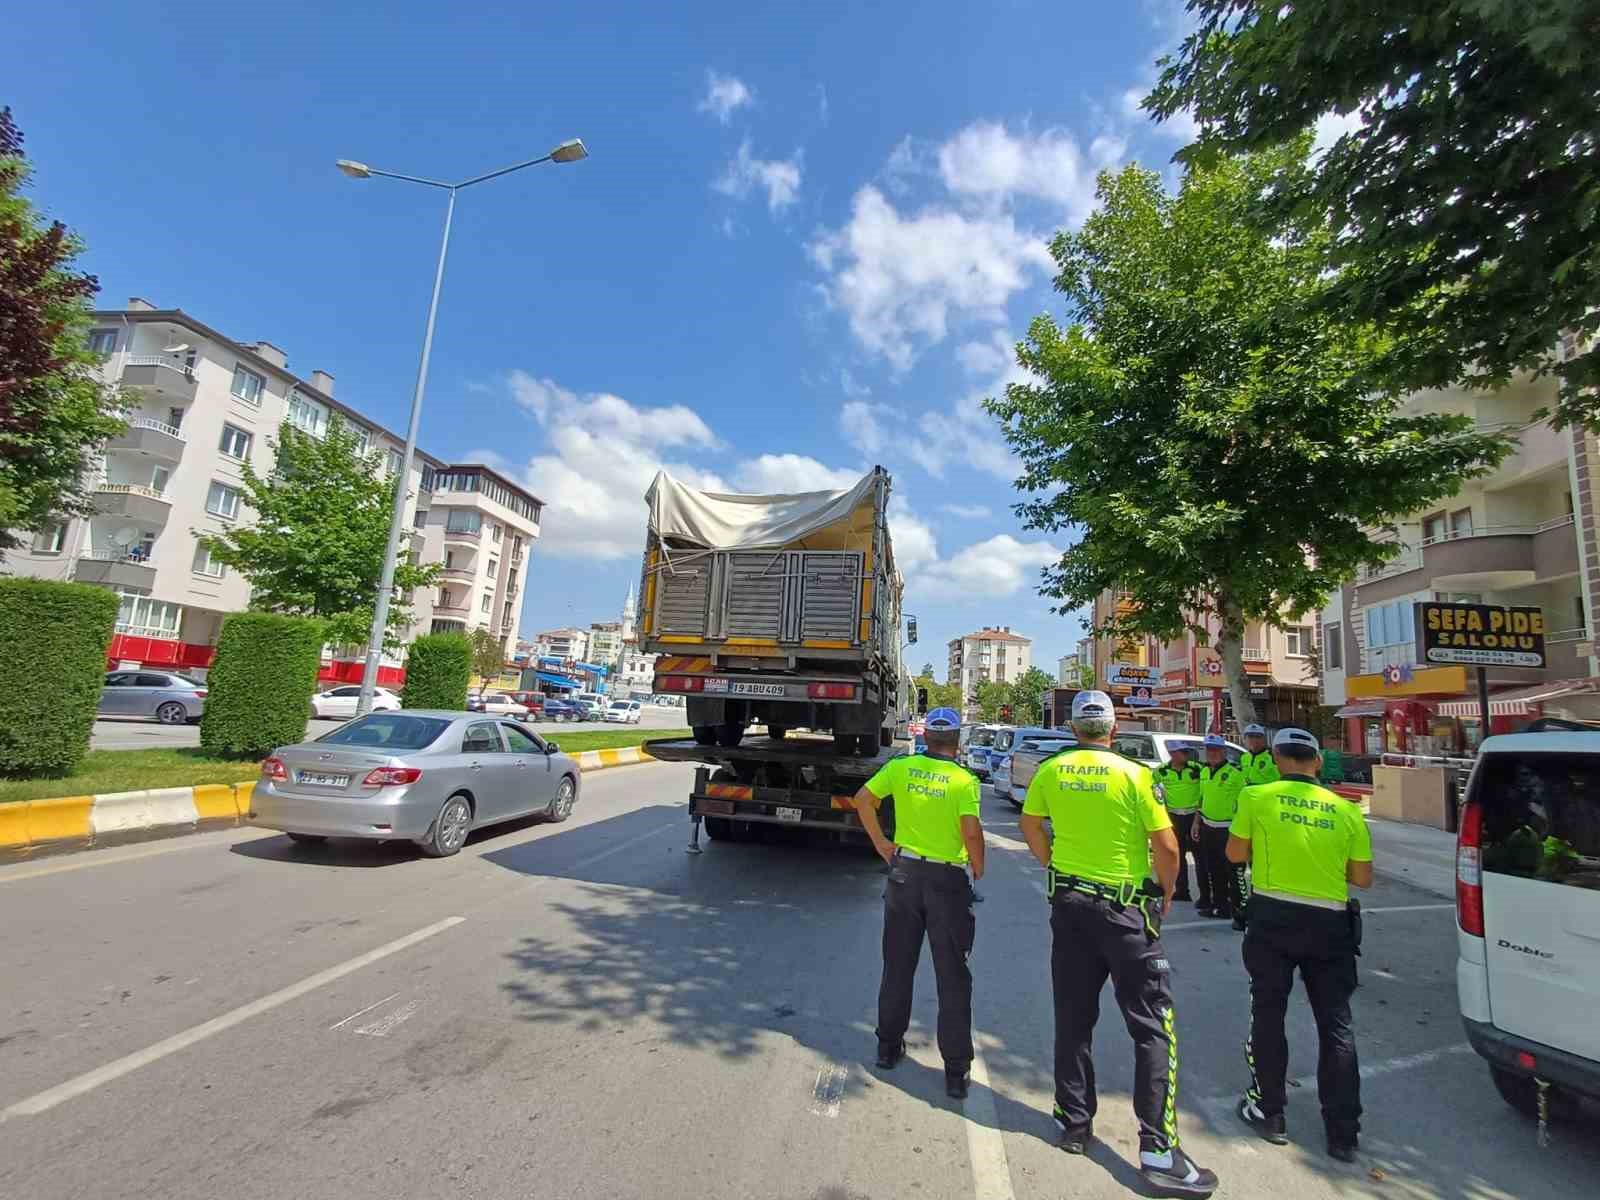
x=126 y=536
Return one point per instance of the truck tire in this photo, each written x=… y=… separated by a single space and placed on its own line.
x=844 y=744
x=729 y=733
x=777 y=732
x=718 y=829
x=705 y=735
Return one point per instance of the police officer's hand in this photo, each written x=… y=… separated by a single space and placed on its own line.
x=1194 y=832
x=1166 y=905
x=885 y=849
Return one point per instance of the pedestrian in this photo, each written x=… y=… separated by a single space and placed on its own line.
x=1179 y=783
x=1256 y=762
x=937 y=836
x=1220 y=784
x=1105 y=920
x=1308 y=845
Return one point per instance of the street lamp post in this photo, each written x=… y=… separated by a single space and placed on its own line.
x=568 y=151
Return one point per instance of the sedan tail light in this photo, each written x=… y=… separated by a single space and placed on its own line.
x=391 y=776
x=201 y=692
x=273 y=768
x=831 y=691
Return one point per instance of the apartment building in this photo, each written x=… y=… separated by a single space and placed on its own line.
x=206 y=405
x=994 y=654
x=569 y=645
x=605 y=642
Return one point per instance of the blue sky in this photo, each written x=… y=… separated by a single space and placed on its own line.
x=804 y=242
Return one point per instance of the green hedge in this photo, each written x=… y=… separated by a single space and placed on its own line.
x=53 y=641
x=261 y=683
x=438 y=670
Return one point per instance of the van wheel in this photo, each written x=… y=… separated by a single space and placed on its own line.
x=705 y=735
x=1522 y=1094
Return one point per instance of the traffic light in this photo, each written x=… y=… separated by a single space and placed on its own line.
x=1005 y=712
x=911 y=630
x=922 y=701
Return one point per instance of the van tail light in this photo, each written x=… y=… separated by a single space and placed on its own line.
x=831 y=691
x=273 y=768
x=1469 y=870
x=391 y=776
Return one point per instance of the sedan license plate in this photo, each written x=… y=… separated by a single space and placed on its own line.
x=787 y=814
x=758 y=689
x=324 y=779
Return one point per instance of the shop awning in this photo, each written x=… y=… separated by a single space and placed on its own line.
x=592 y=668
x=1520 y=702
x=1364 y=708
x=556 y=680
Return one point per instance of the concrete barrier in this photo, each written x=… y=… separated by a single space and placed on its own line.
x=66 y=823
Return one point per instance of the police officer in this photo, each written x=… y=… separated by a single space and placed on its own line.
x=1179 y=781
x=1220 y=784
x=1256 y=762
x=937 y=834
x=1308 y=845
x=1105 y=920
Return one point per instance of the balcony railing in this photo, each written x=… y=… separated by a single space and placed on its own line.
x=462 y=535
x=451 y=606
x=171 y=431
x=1254 y=654
x=1566 y=635
x=131 y=489
x=132 y=554
x=147 y=631
x=466 y=573
x=159 y=360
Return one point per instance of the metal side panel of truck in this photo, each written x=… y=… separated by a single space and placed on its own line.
x=802 y=632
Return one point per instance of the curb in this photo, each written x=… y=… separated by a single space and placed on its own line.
x=67 y=823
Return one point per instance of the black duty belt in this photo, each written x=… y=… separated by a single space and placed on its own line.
x=1145 y=895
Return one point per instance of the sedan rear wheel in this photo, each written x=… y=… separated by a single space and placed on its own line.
x=561 y=807
x=172 y=713
x=448 y=833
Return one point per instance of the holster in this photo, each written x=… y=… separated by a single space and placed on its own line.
x=1352 y=910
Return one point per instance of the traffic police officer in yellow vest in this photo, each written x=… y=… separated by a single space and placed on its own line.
x=937 y=835
x=1307 y=845
x=1179 y=784
x=1256 y=762
x=1220 y=880
x=1105 y=920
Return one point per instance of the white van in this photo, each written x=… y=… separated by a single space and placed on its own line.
x=1528 y=914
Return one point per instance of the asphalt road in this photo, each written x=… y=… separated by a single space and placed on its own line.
x=585 y=1011
x=125 y=733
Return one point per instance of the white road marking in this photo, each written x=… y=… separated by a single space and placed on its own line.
x=384 y=1024
x=1220 y=1106
x=1408 y=908
x=829 y=1090
x=87 y=1082
x=363 y=1012
x=991 y=1172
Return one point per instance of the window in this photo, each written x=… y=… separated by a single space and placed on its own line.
x=445 y=599
x=1140 y=747
x=388 y=731
x=363 y=439
x=235 y=442
x=205 y=564
x=420 y=521
x=1297 y=641
x=481 y=739
x=103 y=343
x=505 y=617
x=427 y=479
x=1433 y=529
x=53 y=537
x=1541 y=818
x=463 y=520
x=222 y=501
x=484 y=602
x=152 y=618
x=494 y=568
x=495 y=531
x=345 y=691
x=307 y=415
x=247 y=385
x=1333 y=646
x=520 y=742
x=1461 y=523
x=391 y=463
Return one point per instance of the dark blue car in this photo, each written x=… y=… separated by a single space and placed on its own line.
x=562 y=710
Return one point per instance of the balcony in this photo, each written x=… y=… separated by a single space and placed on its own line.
x=1254 y=654
x=160 y=375
x=117 y=569
x=133 y=502
x=1539 y=448
x=146 y=435
x=464 y=574
x=1493 y=558
x=452 y=608
x=465 y=537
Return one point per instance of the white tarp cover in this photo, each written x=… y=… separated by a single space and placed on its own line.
x=718 y=521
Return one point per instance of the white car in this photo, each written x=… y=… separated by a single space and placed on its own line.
x=340 y=702
x=498 y=704
x=1528 y=915
x=1155 y=749
x=623 y=712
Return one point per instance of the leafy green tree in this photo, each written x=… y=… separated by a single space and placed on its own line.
x=1218 y=440
x=927 y=670
x=54 y=411
x=1027 y=696
x=438 y=671
x=992 y=697
x=1086 y=676
x=488 y=654
x=1465 y=203
x=940 y=695
x=321 y=526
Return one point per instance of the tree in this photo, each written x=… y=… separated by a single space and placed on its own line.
x=1466 y=201
x=316 y=545
x=1086 y=675
x=488 y=654
x=1027 y=696
x=1217 y=439
x=992 y=697
x=927 y=670
x=53 y=409
x=940 y=695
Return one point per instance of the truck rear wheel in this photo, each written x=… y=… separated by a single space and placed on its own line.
x=729 y=733
x=777 y=732
x=705 y=735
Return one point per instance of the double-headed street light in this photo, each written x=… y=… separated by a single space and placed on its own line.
x=568 y=151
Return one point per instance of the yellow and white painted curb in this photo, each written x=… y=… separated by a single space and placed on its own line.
x=80 y=822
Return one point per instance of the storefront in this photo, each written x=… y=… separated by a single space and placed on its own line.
x=1435 y=710
x=1573 y=699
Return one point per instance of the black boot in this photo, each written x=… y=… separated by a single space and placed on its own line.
x=956 y=1083
x=1274 y=1128
x=890 y=1054
x=1073 y=1140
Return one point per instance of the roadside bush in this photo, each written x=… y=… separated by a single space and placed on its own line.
x=438 y=669
x=260 y=685
x=53 y=641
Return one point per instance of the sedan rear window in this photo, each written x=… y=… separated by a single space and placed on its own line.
x=388 y=731
x=1541 y=817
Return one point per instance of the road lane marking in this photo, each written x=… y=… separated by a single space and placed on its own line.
x=87 y=1082
x=363 y=1012
x=829 y=1090
x=1224 y=1105
x=991 y=1172
x=386 y=1023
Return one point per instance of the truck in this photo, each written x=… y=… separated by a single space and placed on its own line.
x=777 y=619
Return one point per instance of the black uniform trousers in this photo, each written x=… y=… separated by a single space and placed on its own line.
x=1090 y=940
x=1222 y=880
x=932 y=899
x=1282 y=936
x=1183 y=827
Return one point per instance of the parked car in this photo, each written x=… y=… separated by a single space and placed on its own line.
x=975 y=750
x=624 y=712
x=1026 y=754
x=497 y=704
x=1154 y=749
x=170 y=698
x=532 y=701
x=424 y=775
x=1000 y=754
x=593 y=710
x=1528 y=915
x=562 y=710
x=341 y=701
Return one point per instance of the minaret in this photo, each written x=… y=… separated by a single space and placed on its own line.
x=628 y=615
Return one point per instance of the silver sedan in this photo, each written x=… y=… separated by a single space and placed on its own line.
x=428 y=776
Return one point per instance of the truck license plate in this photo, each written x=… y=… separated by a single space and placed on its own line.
x=758 y=689
x=787 y=814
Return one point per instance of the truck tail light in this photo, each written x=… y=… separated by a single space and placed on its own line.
x=831 y=691
x=391 y=776
x=1469 y=870
x=273 y=768
x=681 y=683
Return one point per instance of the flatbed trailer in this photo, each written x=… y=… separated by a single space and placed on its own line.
x=792 y=782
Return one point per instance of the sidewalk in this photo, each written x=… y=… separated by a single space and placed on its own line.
x=1415 y=854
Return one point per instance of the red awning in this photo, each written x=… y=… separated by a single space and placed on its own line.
x=1520 y=702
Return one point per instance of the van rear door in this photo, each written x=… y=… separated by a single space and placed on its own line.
x=1541 y=895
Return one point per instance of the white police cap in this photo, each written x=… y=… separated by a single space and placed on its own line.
x=1290 y=736
x=1254 y=731
x=1092 y=705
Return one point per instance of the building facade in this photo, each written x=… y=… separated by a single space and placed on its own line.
x=205 y=406
x=569 y=644
x=991 y=655
x=605 y=642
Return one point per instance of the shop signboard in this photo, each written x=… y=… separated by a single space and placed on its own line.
x=1129 y=675
x=1480 y=635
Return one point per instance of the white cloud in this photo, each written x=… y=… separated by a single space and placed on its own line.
x=724 y=96
x=864 y=425
x=986 y=160
x=1000 y=566
x=966 y=435
x=1180 y=126
x=988 y=357
x=967 y=512
x=770 y=473
x=914 y=543
x=1330 y=127
x=779 y=178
